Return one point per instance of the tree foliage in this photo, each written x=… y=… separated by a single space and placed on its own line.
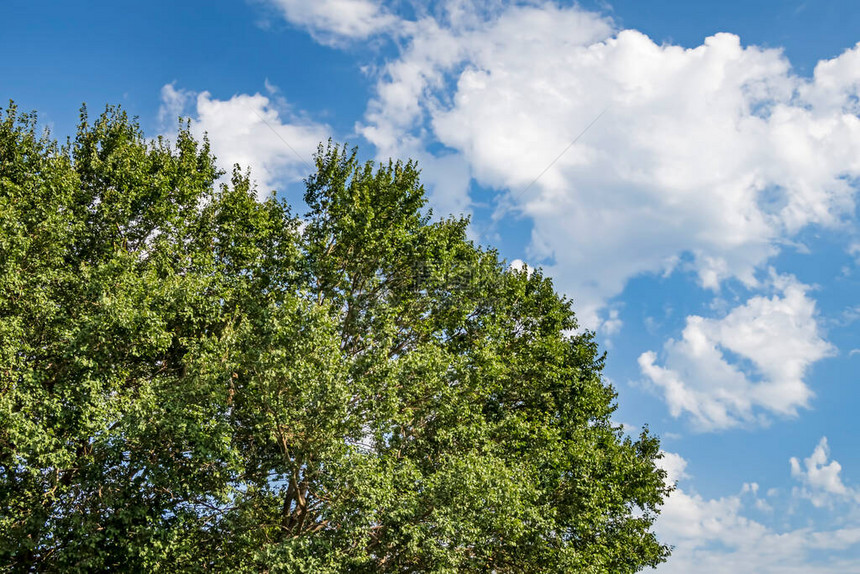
x=195 y=380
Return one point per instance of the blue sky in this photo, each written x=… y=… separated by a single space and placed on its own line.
x=705 y=225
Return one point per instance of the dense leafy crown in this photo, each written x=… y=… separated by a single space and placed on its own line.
x=194 y=380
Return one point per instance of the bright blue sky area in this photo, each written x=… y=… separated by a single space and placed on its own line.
x=705 y=226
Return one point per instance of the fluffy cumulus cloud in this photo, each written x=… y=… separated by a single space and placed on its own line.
x=822 y=480
x=336 y=21
x=717 y=536
x=254 y=131
x=718 y=152
x=776 y=338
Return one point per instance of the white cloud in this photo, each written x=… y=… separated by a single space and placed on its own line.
x=715 y=536
x=837 y=82
x=702 y=377
x=251 y=131
x=674 y=465
x=336 y=21
x=718 y=151
x=822 y=483
x=174 y=102
x=612 y=324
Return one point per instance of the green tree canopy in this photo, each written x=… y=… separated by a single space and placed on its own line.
x=195 y=380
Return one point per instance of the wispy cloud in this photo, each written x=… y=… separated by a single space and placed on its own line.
x=717 y=535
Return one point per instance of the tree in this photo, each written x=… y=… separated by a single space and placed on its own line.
x=195 y=380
